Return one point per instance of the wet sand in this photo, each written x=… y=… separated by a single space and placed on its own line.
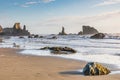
x=14 y=66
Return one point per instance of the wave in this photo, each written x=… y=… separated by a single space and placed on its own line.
x=99 y=50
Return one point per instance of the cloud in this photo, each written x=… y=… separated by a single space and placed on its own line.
x=34 y=2
x=28 y=4
x=31 y=3
x=47 y=1
x=104 y=22
x=108 y=2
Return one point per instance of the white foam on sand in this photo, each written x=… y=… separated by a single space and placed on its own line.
x=115 y=72
x=35 y=52
x=101 y=58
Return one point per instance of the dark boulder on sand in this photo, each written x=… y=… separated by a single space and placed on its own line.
x=98 y=36
x=60 y=50
x=93 y=68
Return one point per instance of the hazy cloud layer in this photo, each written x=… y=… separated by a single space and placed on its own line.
x=108 y=2
x=105 y=22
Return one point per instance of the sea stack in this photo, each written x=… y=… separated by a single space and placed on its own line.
x=88 y=30
x=24 y=27
x=15 y=31
x=62 y=32
x=16 y=26
x=18 y=31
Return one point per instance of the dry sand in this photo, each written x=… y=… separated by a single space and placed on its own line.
x=22 y=67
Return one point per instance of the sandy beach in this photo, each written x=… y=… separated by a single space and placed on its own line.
x=14 y=66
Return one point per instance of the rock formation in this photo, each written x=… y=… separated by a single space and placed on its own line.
x=93 y=68
x=16 y=31
x=1 y=30
x=21 y=37
x=30 y=36
x=98 y=36
x=36 y=36
x=62 y=32
x=17 y=26
x=15 y=45
x=88 y=30
x=80 y=33
x=54 y=37
x=60 y=50
x=41 y=36
x=24 y=27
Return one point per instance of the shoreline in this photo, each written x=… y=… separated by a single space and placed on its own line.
x=17 y=53
x=112 y=67
x=14 y=66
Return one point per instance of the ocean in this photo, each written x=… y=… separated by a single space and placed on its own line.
x=105 y=51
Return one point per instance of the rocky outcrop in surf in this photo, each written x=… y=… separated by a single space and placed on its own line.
x=98 y=36
x=93 y=68
x=60 y=50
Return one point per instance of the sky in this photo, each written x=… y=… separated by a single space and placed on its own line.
x=48 y=16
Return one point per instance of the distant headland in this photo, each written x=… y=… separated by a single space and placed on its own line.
x=16 y=30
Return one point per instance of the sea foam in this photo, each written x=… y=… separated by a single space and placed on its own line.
x=96 y=50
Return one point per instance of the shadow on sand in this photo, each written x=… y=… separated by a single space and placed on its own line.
x=72 y=73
